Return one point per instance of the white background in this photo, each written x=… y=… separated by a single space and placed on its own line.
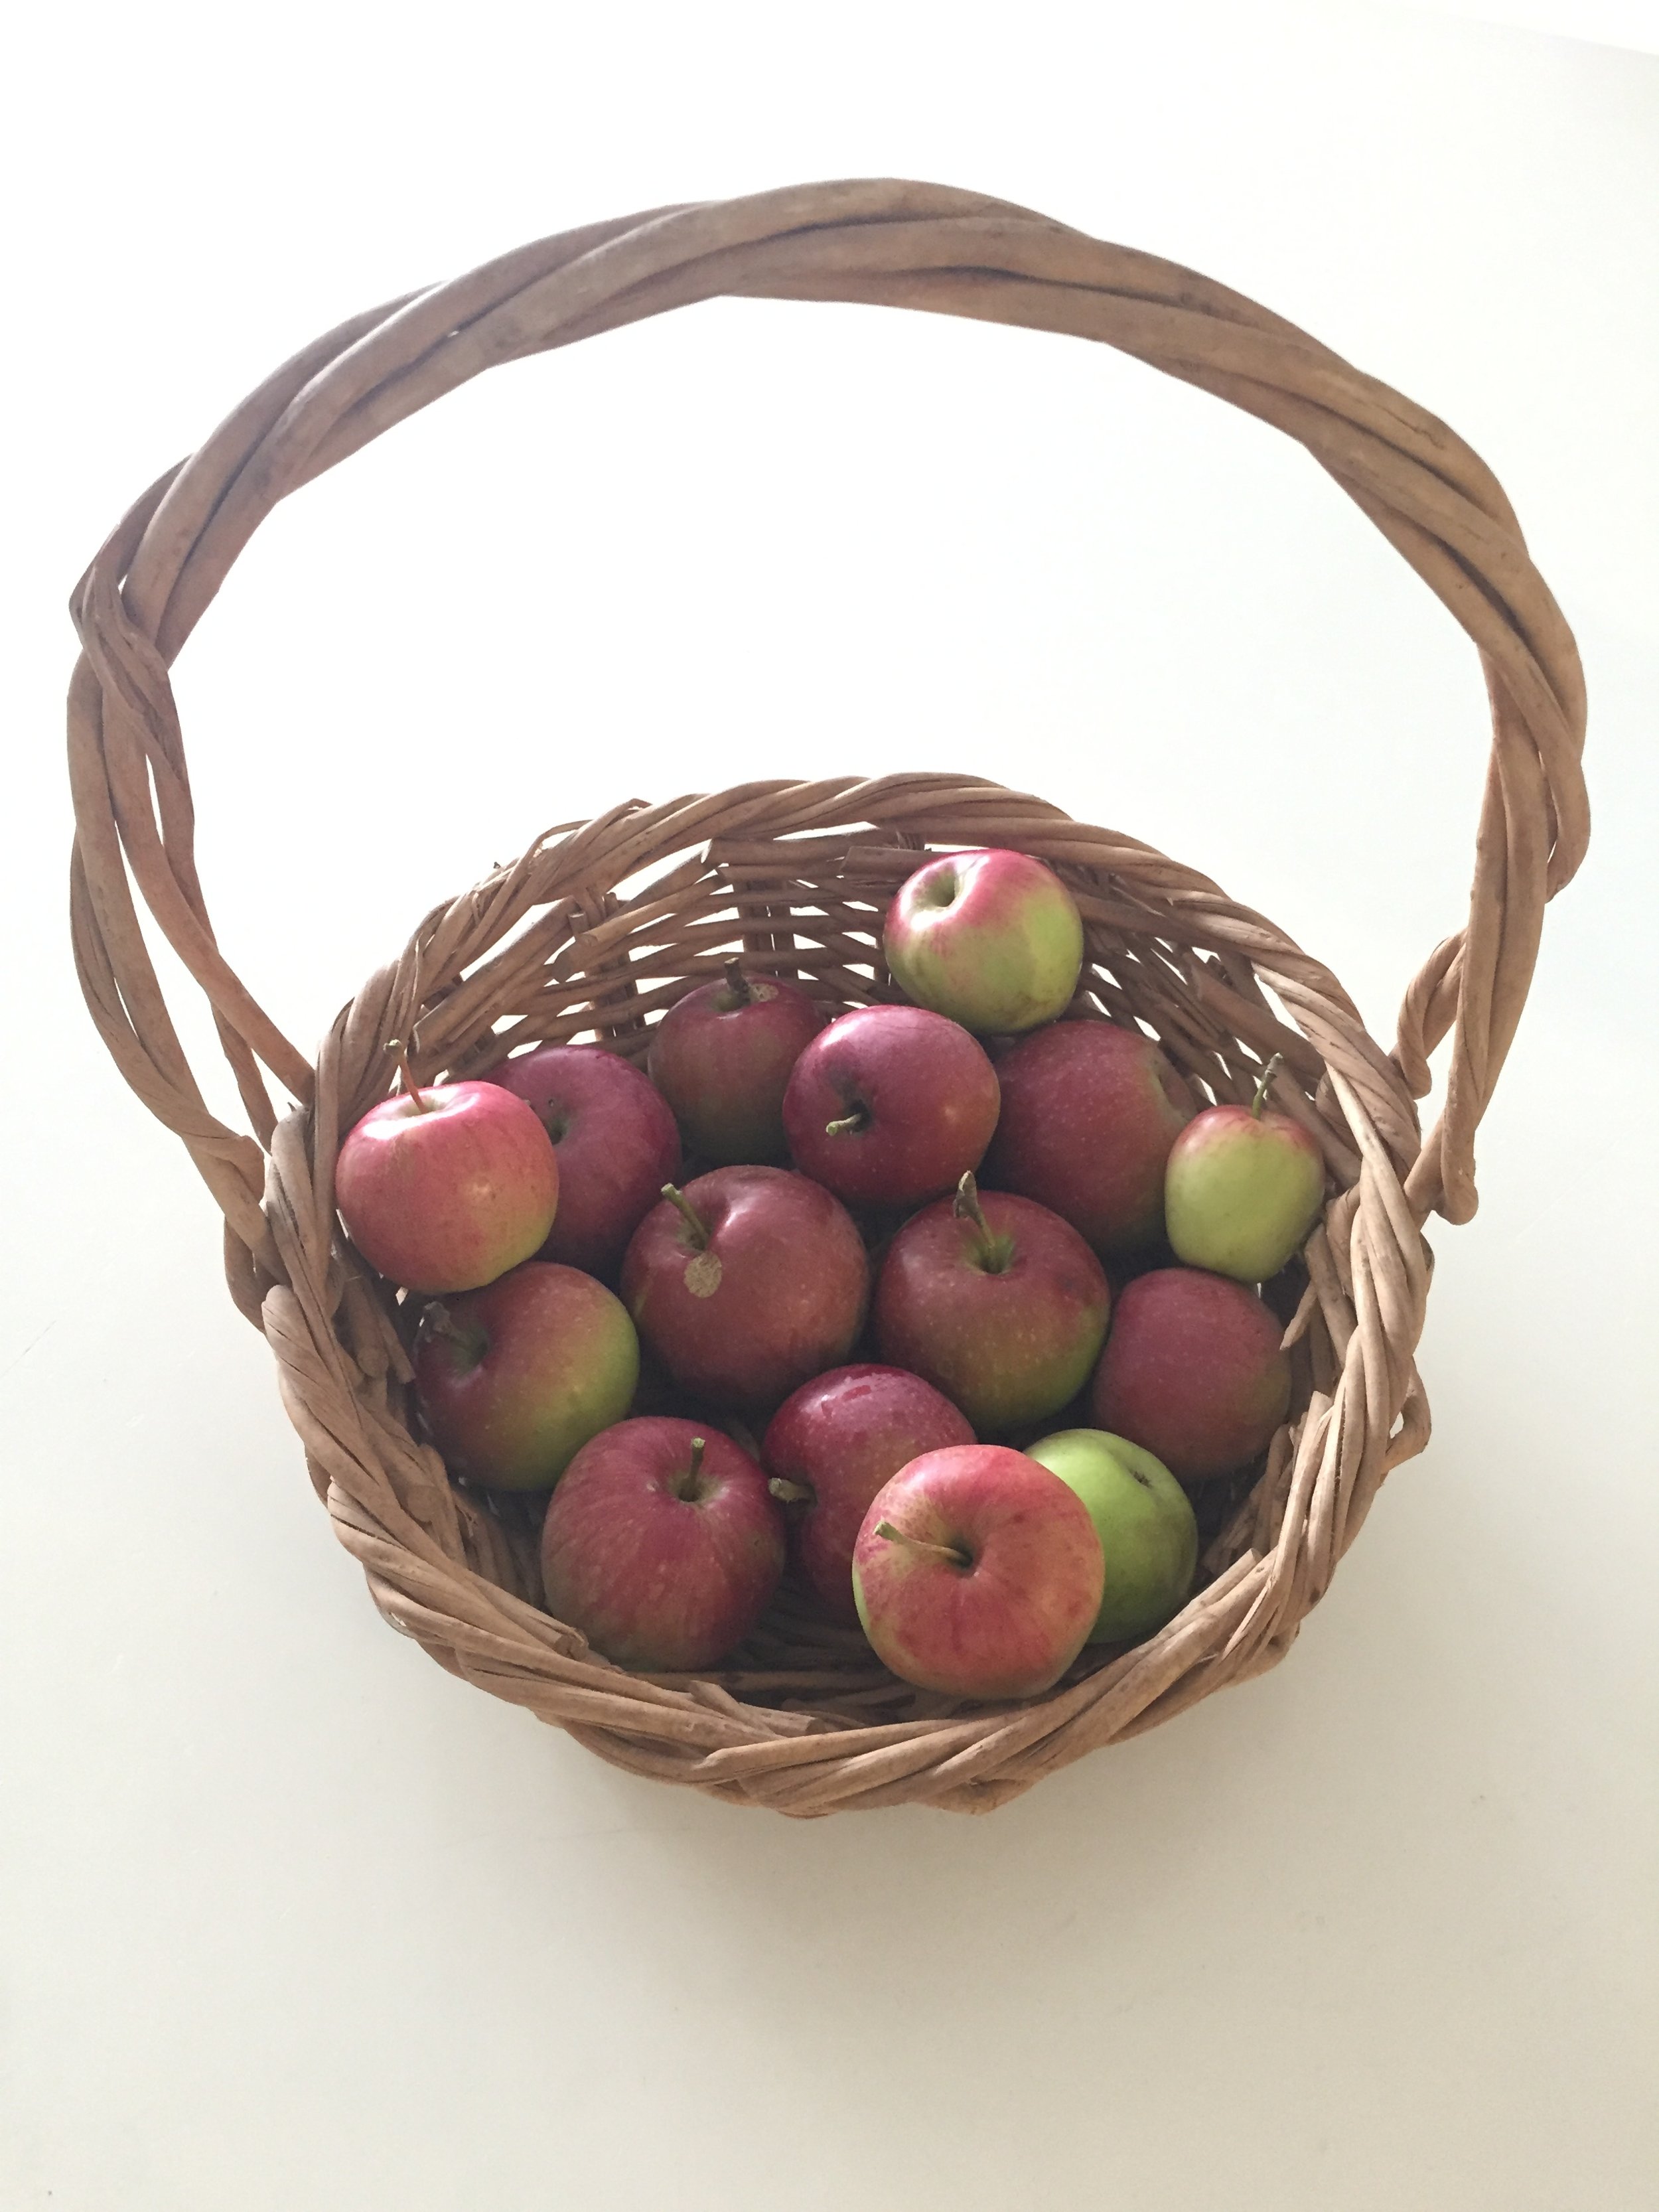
x=291 y=1917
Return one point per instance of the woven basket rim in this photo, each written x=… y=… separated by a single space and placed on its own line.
x=439 y=1566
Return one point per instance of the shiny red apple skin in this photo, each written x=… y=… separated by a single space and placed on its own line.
x=842 y=1436
x=723 y=1061
x=549 y=1358
x=654 y=1578
x=1010 y=1623
x=1193 y=1371
x=616 y=1140
x=924 y=1091
x=1007 y=1347
x=1089 y=1111
x=447 y=1191
x=992 y=937
x=784 y=1299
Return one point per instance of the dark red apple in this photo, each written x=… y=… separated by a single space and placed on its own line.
x=446 y=1188
x=1089 y=1113
x=661 y=1545
x=616 y=1140
x=721 y=1056
x=1193 y=1371
x=978 y=1573
x=747 y=1282
x=515 y=1378
x=829 y=1448
x=890 y=1105
x=996 y=1302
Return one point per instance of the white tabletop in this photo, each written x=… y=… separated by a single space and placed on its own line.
x=293 y=1918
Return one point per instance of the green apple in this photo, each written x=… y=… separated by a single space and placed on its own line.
x=991 y=938
x=1243 y=1188
x=1143 y=1519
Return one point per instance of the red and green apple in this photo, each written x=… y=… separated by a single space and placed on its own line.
x=978 y=1573
x=992 y=937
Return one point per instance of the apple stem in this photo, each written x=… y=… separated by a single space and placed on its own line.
x=1268 y=1075
x=736 y=981
x=849 y=1124
x=689 y=1485
x=791 y=1493
x=436 y=1320
x=950 y=1552
x=411 y=1088
x=693 y=1219
x=995 y=1252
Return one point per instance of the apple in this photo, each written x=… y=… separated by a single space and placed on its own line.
x=446 y=1188
x=617 y=1143
x=992 y=939
x=722 y=1057
x=890 y=1105
x=514 y=1379
x=977 y=1573
x=829 y=1448
x=1194 y=1371
x=1089 y=1111
x=661 y=1545
x=746 y=1283
x=996 y=1302
x=1144 y=1520
x=1243 y=1188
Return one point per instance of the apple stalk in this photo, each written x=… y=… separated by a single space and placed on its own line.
x=411 y=1088
x=696 y=1227
x=1268 y=1075
x=688 y=1486
x=951 y=1552
x=994 y=1252
x=436 y=1320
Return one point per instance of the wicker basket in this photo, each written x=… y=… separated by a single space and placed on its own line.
x=806 y=1720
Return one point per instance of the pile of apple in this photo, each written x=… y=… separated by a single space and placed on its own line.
x=883 y=1184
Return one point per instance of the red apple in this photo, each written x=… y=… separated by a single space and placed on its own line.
x=446 y=1188
x=515 y=1378
x=890 y=1105
x=747 y=1282
x=829 y=1448
x=616 y=1141
x=722 y=1057
x=978 y=1573
x=661 y=1545
x=1243 y=1188
x=992 y=938
x=996 y=1302
x=1193 y=1371
x=1089 y=1113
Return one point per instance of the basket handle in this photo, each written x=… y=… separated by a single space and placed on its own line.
x=923 y=247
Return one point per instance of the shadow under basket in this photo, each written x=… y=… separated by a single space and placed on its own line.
x=605 y=924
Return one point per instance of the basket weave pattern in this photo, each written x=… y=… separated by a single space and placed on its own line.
x=798 y=873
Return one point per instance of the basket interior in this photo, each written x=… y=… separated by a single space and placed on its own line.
x=584 y=961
